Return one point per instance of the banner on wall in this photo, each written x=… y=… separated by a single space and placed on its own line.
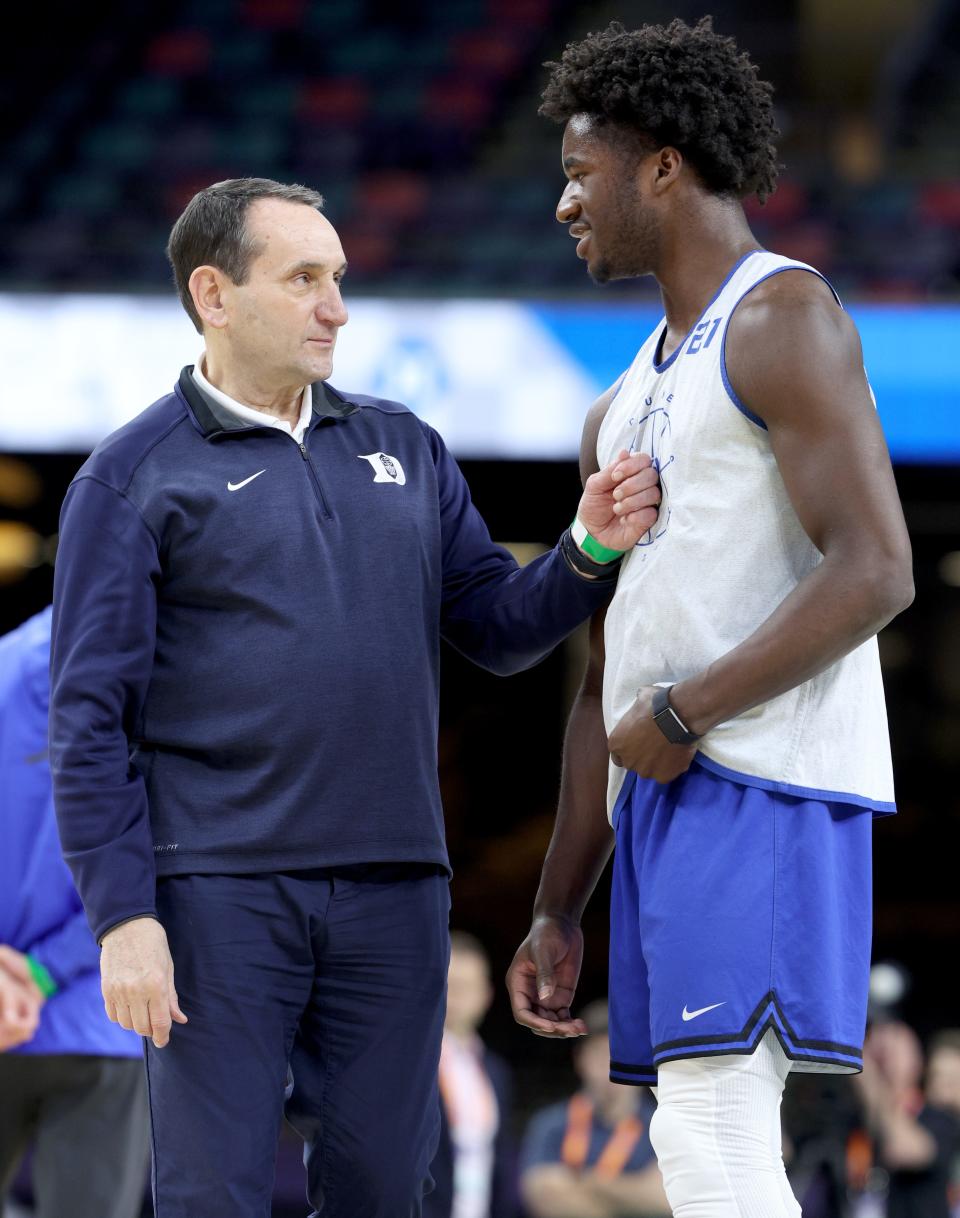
x=498 y=379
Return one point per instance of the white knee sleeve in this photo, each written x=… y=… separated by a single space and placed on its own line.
x=716 y=1132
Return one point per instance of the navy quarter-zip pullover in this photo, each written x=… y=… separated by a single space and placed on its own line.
x=245 y=653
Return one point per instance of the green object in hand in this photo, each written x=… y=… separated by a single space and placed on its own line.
x=41 y=977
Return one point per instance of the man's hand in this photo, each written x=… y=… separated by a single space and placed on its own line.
x=619 y=502
x=136 y=975
x=543 y=978
x=15 y=965
x=20 y=1003
x=636 y=743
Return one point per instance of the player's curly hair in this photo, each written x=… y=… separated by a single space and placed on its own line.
x=687 y=87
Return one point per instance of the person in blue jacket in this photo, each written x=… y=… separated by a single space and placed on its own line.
x=253 y=580
x=73 y=1084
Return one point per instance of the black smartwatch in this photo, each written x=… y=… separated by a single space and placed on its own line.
x=667 y=719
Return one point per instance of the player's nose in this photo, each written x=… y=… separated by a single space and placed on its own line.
x=568 y=208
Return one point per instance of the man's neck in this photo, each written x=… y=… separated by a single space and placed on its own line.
x=243 y=386
x=705 y=242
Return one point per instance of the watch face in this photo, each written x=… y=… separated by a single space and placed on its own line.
x=669 y=723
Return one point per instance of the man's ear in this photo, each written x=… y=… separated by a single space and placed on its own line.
x=206 y=286
x=665 y=167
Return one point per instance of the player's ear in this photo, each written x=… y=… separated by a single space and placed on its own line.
x=666 y=165
x=206 y=288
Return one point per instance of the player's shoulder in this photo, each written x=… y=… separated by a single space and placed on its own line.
x=25 y=663
x=788 y=322
x=792 y=296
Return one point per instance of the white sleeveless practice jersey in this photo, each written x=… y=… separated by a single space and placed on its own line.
x=726 y=550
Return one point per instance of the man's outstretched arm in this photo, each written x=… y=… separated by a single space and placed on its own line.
x=506 y=618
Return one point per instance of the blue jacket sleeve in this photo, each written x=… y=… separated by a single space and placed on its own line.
x=67 y=951
x=103 y=639
x=502 y=616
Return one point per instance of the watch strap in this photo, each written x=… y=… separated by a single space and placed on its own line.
x=667 y=719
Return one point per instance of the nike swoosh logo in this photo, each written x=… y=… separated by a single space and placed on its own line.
x=235 y=486
x=688 y=1015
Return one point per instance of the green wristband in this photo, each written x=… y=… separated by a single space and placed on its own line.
x=41 y=977
x=590 y=545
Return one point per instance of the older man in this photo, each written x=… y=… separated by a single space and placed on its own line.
x=253 y=580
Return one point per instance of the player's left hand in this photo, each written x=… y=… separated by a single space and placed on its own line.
x=636 y=743
x=619 y=502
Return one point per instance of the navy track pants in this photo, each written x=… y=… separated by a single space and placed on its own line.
x=318 y=994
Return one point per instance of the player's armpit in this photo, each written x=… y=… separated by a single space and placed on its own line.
x=591 y=430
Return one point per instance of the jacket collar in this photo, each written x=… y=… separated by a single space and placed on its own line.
x=213 y=419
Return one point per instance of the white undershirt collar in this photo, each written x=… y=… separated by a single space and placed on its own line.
x=249 y=414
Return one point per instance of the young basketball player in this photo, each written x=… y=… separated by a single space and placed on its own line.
x=734 y=691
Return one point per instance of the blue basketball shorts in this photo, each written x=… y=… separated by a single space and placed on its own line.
x=734 y=910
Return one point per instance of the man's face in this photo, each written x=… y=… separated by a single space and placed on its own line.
x=469 y=992
x=616 y=231
x=943 y=1079
x=285 y=317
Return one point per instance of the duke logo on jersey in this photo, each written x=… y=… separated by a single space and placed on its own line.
x=385 y=467
x=651 y=434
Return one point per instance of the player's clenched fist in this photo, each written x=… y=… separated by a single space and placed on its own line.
x=136 y=976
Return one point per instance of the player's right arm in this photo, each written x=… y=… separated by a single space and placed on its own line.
x=543 y=976
x=102 y=652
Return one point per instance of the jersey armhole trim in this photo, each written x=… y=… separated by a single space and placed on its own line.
x=731 y=392
x=619 y=385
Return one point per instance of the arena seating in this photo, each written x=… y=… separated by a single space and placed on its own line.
x=418 y=124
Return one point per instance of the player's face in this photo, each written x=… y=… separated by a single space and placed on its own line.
x=286 y=316
x=616 y=232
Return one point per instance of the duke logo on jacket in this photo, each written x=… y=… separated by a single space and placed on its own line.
x=385 y=467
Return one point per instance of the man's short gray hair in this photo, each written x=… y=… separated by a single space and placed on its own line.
x=211 y=231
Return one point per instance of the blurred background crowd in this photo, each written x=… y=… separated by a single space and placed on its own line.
x=418 y=123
